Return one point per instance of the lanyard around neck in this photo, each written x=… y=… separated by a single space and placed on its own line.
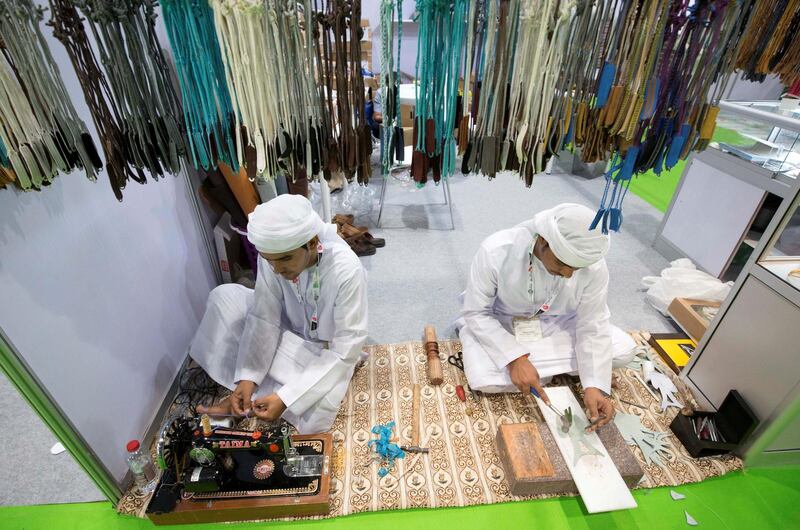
x=554 y=291
x=313 y=321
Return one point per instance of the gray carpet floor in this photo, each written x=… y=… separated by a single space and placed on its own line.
x=413 y=281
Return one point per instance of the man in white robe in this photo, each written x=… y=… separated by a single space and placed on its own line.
x=545 y=278
x=288 y=348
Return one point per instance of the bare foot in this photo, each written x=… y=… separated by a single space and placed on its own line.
x=614 y=381
x=223 y=408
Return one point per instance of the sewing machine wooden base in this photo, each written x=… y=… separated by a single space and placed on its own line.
x=260 y=507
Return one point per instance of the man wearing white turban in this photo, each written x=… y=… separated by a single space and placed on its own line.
x=535 y=306
x=288 y=348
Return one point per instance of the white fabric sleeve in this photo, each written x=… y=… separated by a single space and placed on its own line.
x=337 y=362
x=478 y=312
x=593 y=333
x=262 y=328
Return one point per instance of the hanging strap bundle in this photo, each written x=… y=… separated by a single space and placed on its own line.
x=392 y=127
x=40 y=132
x=770 y=43
x=338 y=35
x=442 y=27
x=131 y=99
x=207 y=109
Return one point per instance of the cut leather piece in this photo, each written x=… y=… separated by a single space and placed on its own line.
x=430 y=137
x=418 y=166
x=399 y=144
x=242 y=188
x=467 y=159
x=504 y=154
x=463 y=135
x=614 y=104
x=709 y=123
x=512 y=163
x=528 y=170
x=489 y=156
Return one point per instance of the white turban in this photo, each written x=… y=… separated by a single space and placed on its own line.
x=285 y=223
x=566 y=229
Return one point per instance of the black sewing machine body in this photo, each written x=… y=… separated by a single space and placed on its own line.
x=201 y=462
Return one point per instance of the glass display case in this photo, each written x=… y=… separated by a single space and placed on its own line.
x=764 y=133
x=781 y=256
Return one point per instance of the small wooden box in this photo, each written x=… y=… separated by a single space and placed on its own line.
x=688 y=314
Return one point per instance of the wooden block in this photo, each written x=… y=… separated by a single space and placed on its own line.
x=560 y=482
x=522 y=454
x=596 y=476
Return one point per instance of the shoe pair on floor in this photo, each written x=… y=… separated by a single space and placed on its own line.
x=359 y=239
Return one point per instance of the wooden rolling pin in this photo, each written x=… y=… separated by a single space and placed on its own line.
x=434 y=363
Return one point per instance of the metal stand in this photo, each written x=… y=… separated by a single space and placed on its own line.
x=448 y=199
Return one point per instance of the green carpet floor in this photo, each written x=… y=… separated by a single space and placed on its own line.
x=658 y=190
x=753 y=500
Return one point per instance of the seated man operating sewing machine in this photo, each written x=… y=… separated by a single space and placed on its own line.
x=288 y=348
x=535 y=306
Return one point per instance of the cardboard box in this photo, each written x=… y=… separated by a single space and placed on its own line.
x=693 y=316
x=407 y=115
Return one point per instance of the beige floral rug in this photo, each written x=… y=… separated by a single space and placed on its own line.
x=462 y=468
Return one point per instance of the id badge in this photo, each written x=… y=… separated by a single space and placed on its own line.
x=527 y=329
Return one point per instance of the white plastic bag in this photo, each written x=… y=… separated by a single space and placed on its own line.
x=682 y=280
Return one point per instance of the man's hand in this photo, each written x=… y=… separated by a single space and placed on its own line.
x=524 y=376
x=600 y=407
x=269 y=408
x=240 y=399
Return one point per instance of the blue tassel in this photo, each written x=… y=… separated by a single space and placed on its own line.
x=676 y=147
x=568 y=137
x=620 y=175
x=600 y=214
x=604 y=84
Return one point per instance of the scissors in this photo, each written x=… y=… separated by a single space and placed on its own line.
x=457 y=360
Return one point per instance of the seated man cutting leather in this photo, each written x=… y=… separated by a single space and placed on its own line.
x=535 y=306
x=288 y=348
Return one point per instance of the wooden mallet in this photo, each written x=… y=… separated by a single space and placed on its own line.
x=434 y=363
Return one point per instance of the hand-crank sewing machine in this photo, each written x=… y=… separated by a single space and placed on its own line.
x=214 y=474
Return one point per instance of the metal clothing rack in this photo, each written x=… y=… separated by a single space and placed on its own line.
x=448 y=196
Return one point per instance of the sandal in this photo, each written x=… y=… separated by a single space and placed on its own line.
x=348 y=231
x=361 y=247
x=341 y=219
x=375 y=241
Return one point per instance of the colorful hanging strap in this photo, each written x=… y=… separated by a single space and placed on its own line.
x=207 y=109
x=39 y=127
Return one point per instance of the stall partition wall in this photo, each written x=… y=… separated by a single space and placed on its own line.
x=100 y=299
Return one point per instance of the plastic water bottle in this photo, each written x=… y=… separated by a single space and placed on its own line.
x=144 y=474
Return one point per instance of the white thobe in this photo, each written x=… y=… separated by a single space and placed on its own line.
x=576 y=334
x=264 y=335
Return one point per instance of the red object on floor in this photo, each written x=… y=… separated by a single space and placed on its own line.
x=460 y=393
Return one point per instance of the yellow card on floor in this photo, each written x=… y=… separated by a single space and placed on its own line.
x=527 y=329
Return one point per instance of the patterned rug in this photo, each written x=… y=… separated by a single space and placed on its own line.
x=462 y=468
